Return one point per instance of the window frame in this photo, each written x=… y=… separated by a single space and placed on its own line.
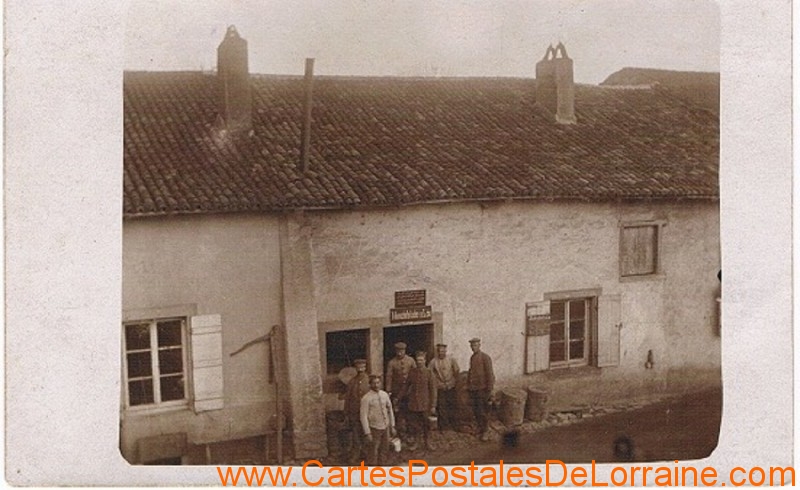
x=157 y=405
x=592 y=297
x=588 y=326
x=658 y=225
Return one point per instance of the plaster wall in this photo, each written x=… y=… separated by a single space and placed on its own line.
x=481 y=263
x=227 y=265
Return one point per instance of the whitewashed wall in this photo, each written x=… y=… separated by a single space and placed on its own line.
x=480 y=264
x=227 y=265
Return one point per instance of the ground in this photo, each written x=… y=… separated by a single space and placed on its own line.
x=681 y=428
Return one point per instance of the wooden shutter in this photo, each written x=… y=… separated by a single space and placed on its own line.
x=206 y=335
x=609 y=321
x=537 y=336
x=639 y=250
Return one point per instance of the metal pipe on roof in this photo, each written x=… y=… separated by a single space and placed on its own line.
x=307 y=104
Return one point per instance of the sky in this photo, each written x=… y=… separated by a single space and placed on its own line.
x=426 y=38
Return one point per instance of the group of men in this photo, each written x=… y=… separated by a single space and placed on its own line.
x=415 y=392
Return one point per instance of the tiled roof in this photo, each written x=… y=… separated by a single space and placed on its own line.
x=696 y=87
x=396 y=141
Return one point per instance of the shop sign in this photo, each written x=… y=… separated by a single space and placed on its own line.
x=409 y=299
x=414 y=313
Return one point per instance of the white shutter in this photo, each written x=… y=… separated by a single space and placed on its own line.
x=538 y=353
x=537 y=336
x=206 y=349
x=609 y=321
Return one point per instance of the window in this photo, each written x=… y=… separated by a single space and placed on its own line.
x=155 y=362
x=569 y=332
x=639 y=249
x=344 y=347
x=572 y=329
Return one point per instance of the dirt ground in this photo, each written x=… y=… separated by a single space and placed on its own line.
x=682 y=428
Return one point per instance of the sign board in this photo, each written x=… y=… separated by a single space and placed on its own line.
x=409 y=299
x=537 y=318
x=410 y=314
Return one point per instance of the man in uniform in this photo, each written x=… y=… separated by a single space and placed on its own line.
x=445 y=373
x=356 y=389
x=421 y=390
x=377 y=422
x=396 y=379
x=480 y=383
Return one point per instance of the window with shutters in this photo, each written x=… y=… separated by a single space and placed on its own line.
x=573 y=329
x=171 y=359
x=639 y=249
x=155 y=362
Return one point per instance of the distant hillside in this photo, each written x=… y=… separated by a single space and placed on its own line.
x=701 y=88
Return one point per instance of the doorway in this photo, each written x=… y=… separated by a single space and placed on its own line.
x=417 y=337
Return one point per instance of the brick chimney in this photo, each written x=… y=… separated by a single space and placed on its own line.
x=555 y=87
x=235 y=102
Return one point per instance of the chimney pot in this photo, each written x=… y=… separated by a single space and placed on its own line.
x=555 y=86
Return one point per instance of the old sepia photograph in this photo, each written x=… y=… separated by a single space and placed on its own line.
x=385 y=231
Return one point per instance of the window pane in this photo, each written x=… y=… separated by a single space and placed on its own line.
x=556 y=332
x=140 y=392
x=344 y=347
x=170 y=361
x=577 y=309
x=169 y=333
x=557 y=351
x=576 y=349
x=557 y=311
x=137 y=336
x=577 y=330
x=139 y=364
x=171 y=388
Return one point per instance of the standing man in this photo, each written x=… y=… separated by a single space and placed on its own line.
x=445 y=373
x=396 y=379
x=377 y=422
x=356 y=389
x=480 y=383
x=421 y=400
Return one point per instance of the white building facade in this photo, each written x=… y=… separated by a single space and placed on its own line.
x=578 y=236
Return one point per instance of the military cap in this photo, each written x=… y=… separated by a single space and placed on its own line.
x=421 y=353
x=474 y=339
x=374 y=376
x=400 y=345
x=441 y=345
x=360 y=361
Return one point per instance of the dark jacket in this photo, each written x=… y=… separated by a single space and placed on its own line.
x=356 y=388
x=420 y=390
x=481 y=374
x=397 y=374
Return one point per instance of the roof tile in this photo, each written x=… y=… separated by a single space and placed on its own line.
x=396 y=141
